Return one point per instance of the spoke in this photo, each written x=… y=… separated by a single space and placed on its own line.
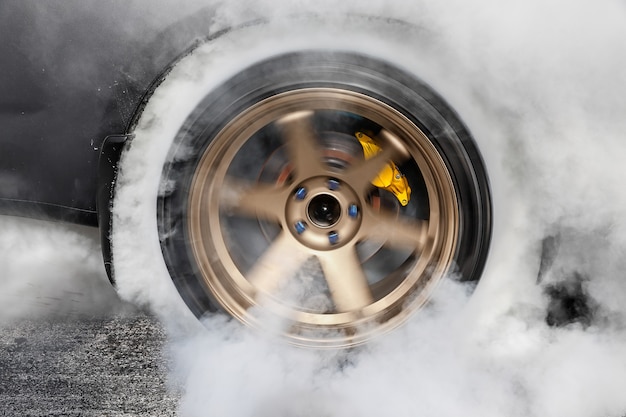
x=393 y=231
x=264 y=201
x=361 y=174
x=277 y=265
x=302 y=147
x=346 y=279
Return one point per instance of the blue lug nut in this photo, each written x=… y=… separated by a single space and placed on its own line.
x=353 y=211
x=300 y=227
x=333 y=238
x=333 y=185
x=300 y=193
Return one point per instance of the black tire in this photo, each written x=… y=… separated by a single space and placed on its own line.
x=343 y=71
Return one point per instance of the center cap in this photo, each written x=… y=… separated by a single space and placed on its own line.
x=324 y=210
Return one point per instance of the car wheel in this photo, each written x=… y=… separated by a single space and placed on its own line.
x=322 y=196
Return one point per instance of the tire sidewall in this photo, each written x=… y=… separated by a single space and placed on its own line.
x=310 y=69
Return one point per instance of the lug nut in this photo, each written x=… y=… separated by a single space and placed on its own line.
x=353 y=211
x=300 y=227
x=300 y=193
x=333 y=238
x=333 y=184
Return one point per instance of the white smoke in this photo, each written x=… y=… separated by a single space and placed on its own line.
x=542 y=86
x=52 y=270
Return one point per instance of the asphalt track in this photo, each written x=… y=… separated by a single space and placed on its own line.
x=79 y=366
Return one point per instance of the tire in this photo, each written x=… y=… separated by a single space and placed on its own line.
x=275 y=213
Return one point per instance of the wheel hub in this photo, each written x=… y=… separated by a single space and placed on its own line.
x=324 y=213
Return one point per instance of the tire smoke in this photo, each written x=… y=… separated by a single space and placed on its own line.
x=544 y=99
x=52 y=271
x=542 y=87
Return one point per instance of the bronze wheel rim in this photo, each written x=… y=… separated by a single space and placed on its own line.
x=340 y=305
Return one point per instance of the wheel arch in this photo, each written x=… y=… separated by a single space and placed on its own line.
x=108 y=162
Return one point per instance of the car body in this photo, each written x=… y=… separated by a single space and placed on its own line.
x=71 y=76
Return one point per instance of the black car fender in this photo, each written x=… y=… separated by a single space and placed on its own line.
x=108 y=161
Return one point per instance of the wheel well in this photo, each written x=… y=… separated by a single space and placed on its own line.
x=108 y=162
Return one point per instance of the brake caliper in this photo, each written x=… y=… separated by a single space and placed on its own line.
x=389 y=178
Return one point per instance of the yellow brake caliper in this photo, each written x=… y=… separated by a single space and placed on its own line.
x=389 y=178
